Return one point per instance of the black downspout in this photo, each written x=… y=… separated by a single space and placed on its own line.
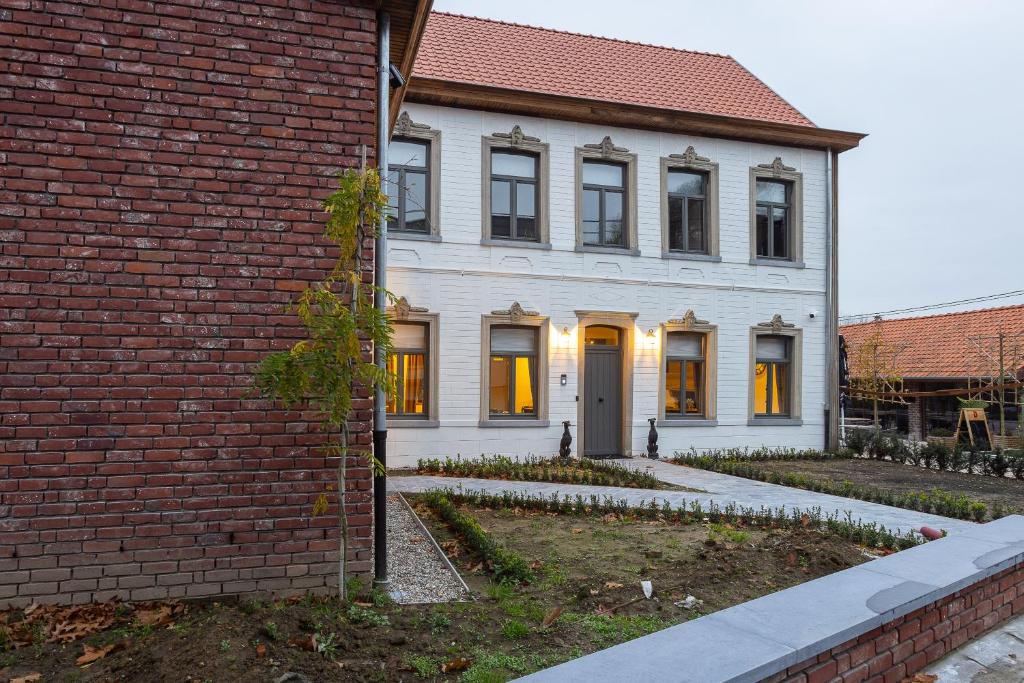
x=380 y=422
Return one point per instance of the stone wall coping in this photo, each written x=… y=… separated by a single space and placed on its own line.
x=760 y=638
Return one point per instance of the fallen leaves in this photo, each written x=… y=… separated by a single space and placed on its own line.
x=261 y=651
x=577 y=531
x=457 y=664
x=28 y=678
x=921 y=678
x=306 y=642
x=552 y=616
x=450 y=547
x=612 y=585
x=91 y=654
x=57 y=624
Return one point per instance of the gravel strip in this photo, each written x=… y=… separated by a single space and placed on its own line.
x=417 y=571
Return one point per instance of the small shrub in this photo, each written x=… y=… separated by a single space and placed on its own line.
x=514 y=629
x=857 y=440
x=270 y=630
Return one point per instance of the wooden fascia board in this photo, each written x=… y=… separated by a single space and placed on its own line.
x=473 y=96
x=416 y=30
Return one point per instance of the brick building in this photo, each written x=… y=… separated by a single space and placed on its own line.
x=161 y=167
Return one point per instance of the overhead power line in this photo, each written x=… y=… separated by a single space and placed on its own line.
x=931 y=307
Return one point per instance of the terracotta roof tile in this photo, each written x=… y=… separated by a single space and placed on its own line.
x=500 y=54
x=939 y=345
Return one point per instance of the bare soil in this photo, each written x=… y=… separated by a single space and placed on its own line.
x=904 y=478
x=589 y=568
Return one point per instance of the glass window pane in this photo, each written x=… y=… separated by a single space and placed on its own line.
x=392 y=399
x=675 y=224
x=525 y=403
x=414 y=386
x=695 y=224
x=526 y=228
x=500 y=207
x=409 y=337
x=591 y=205
x=408 y=153
x=525 y=196
x=685 y=345
x=771 y=191
x=780 y=389
x=761 y=388
x=762 y=231
x=601 y=336
x=694 y=371
x=772 y=348
x=613 y=234
x=416 y=201
x=521 y=340
x=511 y=163
x=392 y=189
x=673 y=386
x=779 y=233
x=599 y=173
x=685 y=182
x=613 y=218
x=500 y=376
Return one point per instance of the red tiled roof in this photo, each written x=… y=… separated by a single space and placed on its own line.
x=500 y=54
x=939 y=345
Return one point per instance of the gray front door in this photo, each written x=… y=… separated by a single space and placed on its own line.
x=602 y=401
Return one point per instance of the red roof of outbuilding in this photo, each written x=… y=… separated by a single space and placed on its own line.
x=941 y=345
x=500 y=54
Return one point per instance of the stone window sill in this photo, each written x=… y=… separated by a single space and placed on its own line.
x=413 y=424
x=413 y=236
x=619 y=251
x=686 y=422
x=514 y=423
x=780 y=263
x=684 y=256
x=774 y=422
x=517 y=244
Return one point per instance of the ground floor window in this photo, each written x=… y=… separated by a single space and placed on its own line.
x=512 y=387
x=772 y=376
x=684 y=374
x=408 y=363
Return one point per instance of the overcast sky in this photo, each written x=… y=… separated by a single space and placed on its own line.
x=931 y=203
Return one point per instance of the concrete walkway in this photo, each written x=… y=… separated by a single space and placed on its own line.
x=997 y=657
x=714 y=487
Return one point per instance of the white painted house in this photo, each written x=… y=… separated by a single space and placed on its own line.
x=603 y=233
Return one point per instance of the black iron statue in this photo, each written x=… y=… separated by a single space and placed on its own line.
x=652 y=440
x=563 y=447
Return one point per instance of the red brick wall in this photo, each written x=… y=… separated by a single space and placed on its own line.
x=903 y=647
x=161 y=165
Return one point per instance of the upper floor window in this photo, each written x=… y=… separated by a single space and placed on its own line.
x=687 y=211
x=776 y=215
x=772 y=375
x=409 y=185
x=604 y=203
x=773 y=212
x=514 y=195
x=408 y=363
x=685 y=354
x=513 y=372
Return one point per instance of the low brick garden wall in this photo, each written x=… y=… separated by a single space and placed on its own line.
x=906 y=645
x=878 y=622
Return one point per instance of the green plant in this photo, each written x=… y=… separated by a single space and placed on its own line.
x=339 y=316
x=514 y=629
x=499 y=590
x=531 y=468
x=506 y=564
x=423 y=666
x=270 y=630
x=364 y=615
x=439 y=621
x=225 y=645
x=327 y=644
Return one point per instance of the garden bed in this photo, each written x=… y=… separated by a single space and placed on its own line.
x=994 y=492
x=585 y=572
x=568 y=471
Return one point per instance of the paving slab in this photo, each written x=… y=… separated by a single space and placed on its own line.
x=997 y=657
x=722 y=489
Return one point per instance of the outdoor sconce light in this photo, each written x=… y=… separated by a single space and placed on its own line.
x=565 y=331
x=650 y=337
x=563 y=380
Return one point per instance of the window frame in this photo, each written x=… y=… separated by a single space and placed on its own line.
x=514 y=183
x=787 y=206
x=403 y=171
x=709 y=390
x=407 y=129
x=501 y=319
x=430 y=417
x=607 y=152
x=779 y=172
x=691 y=162
x=515 y=141
x=794 y=337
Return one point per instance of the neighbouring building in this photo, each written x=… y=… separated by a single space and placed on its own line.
x=600 y=232
x=943 y=355
x=161 y=171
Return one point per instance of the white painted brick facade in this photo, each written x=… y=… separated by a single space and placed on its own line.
x=460 y=279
